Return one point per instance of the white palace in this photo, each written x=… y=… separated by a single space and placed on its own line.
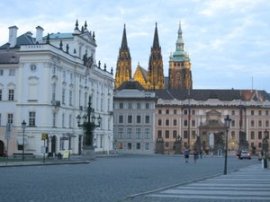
x=46 y=81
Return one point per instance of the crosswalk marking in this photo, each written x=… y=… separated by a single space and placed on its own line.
x=250 y=184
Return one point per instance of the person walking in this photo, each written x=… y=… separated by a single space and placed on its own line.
x=186 y=154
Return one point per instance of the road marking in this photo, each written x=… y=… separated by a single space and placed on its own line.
x=251 y=184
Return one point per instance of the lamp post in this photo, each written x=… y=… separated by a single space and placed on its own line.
x=265 y=147
x=23 y=128
x=88 y=125
x=227 y=121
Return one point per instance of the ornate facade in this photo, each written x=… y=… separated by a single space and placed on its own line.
x=198 y=119
x=180 y=76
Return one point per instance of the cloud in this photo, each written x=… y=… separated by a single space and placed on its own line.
x=212 y=8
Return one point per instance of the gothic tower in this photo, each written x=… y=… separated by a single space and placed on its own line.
x=155 y=78
x=180 y=76
x=123 y=68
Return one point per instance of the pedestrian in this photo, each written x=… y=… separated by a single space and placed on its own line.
x=186 y=154
x=195 y=156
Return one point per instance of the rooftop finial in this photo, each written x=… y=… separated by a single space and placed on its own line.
x=85 y=25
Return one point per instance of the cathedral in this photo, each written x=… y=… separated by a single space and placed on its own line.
x=179 y=76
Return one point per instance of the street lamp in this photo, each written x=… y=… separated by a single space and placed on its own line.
x=89 y=124
x=23 y=128
x=227 y=121
x=265 y=147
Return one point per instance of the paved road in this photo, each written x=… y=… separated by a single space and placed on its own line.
x=247 y=184
x=106 y=179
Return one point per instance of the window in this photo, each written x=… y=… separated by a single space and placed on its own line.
x=11 y=72
x=260 y=135
x=54 y=119
x=266 y=123
x=138 y=105
x=138 y=145
x=193 y=112
x=138 y=133
x=121 y=119
x=32 y=119
x=11 y=94
x=129 y=133
x=159 y=111
x=121 y=105
x=10 y=118
x=233 y=112
x=266 y=112
x=233 y=123
x=70 y=121
x=129 y=118
x=185 y=111
x=260 y=145
x=63 y=96
x=159 y=122
x=175 y=122
x=174 y=134
x=1 y=72
x=146 y=146
x=167 y=134
x=120 y=133
x=185 y=134
x=129 y=146
x=147 y=106
x=252 y=135
x=53 y=91
x=260 y=123
x=0 y=94
x=147 y=119
x=166 y=144
x=167 y=111
x=159 y=134
x=70 y=98
x=138 y=119
x=147 y=133
x=63 y=120
x=167 y=122
x=185 y=122
x=233 y=134
x=252 y=112
x=252 y=123
x=193 y=123
x=260 y=112
x=175 y=111
x=193 y=134
x=129 y=105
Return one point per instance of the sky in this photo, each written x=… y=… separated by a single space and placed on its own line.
x=228 y=41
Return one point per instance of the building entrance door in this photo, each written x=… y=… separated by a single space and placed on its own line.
x=2 y=148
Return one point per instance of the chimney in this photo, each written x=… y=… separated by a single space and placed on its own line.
x=12 y=36
x=39 y=34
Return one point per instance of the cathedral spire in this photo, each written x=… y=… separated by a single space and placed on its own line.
x=180 y=75
x=180 y=41
x=155 y=68
x=156 y=41
x=124 y=45
x=123 y=67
